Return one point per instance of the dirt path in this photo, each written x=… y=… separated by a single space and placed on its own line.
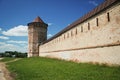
x=1 y=73
x=4 y=73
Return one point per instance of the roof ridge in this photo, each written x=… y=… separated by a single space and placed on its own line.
x=93 y=12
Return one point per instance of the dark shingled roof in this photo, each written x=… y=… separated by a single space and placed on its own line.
x=90 y=14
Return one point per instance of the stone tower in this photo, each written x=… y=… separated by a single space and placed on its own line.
x=37 y=33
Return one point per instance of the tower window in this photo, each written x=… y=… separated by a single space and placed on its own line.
x=108 y=16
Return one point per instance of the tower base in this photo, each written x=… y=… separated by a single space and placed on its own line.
x=34 y=54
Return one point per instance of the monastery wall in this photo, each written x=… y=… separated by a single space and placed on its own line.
x=95 y=40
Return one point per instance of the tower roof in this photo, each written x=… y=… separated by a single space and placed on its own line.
x=38 y=19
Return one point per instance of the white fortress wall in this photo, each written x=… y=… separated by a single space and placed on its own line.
x=95 y=40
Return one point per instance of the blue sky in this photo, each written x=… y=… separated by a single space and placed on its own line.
x=58 y=14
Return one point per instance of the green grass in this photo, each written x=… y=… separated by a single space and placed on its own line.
x=52 y=69
x=5 y=59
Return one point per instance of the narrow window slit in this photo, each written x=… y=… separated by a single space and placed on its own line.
x=76 y=31
x=88 y=26
x=68 y=35
x=71 y=33
x=108 y=16
x=97 y=21
x=64 y=36
x=81 y=28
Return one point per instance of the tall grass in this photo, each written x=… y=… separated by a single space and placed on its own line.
x=52 y=69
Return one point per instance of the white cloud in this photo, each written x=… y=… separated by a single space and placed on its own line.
x=93 y=3
x=49 y=35
x=3 y=37
x=19 y=42
x=0 y=29
x=19 y=30
x=11 y=47
x=2 y=43
x=49 y=24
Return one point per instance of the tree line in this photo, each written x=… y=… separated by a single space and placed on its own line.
x=13 y=54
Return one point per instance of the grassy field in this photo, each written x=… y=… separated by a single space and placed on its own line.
x=6 y=59
x=52 y=69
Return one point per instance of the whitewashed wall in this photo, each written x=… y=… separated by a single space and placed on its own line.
x=98 y=44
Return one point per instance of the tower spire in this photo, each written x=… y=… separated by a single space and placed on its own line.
x=38 y=19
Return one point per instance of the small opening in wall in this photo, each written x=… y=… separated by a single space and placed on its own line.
x=97 y=21
x=71 y=33
x=61 y=38
x=88 y=26
x=76 y=31
x=64 y=36
x=58 y=39
x=67 y=35
x=108 y=16
x=81 y=28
